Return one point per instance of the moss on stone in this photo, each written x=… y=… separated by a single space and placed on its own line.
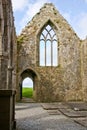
x=20 y=39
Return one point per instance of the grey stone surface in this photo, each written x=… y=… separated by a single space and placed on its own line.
x=50 y=106
x=78 y=105
x=82 y=121
x=54 y=112
x=73 y=114
x=33 y=117
x=8 y=62
x=8 y=46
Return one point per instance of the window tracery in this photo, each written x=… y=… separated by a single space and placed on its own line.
x=48 y=47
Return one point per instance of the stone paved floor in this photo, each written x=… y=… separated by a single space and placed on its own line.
x=33 y=116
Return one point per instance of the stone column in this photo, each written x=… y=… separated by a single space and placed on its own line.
x=7 y=94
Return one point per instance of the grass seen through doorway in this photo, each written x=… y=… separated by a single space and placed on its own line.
x=27 y=92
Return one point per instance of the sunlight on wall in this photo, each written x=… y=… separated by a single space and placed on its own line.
x=27 y=82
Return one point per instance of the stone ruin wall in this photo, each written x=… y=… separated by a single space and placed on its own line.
x=8 y=47
x=84 y=68
x=61 y=83
x=8 y=53
x=65 y=82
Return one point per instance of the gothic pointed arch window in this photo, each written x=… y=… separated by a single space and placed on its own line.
x=48 y=55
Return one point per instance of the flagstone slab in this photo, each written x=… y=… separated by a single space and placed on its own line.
x=81 y=106
x=53 y=106
x=73 y=114
x=81 y=121
x=54 y=112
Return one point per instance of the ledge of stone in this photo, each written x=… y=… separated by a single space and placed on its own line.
x=7 y=93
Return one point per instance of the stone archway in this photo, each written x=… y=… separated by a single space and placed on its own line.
x=32 y=75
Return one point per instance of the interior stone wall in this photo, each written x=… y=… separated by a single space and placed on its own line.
x=8 y=46
x=8 y=53
x=60 y=83
x=84 y=68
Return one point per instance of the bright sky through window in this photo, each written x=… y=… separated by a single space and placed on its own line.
x=48 y=47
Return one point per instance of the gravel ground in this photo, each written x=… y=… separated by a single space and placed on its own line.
x=32 y=116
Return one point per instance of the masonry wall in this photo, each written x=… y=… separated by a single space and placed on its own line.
x=7 y=66
x=84 y=68
x=61 y=83
x=7 y=45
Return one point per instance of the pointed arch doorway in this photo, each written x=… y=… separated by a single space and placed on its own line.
x=27 y=88
x=29 y=79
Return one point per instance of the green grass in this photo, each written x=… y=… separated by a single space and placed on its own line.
x=27 y=92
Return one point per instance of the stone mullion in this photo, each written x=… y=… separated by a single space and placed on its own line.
x=51 y=53
x=45 y=52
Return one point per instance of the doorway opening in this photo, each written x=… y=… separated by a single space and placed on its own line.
x=28 y=85
x=27 y=88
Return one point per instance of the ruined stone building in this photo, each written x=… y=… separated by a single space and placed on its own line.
x=7 y=66
x=49 y=52
x=54 y=57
